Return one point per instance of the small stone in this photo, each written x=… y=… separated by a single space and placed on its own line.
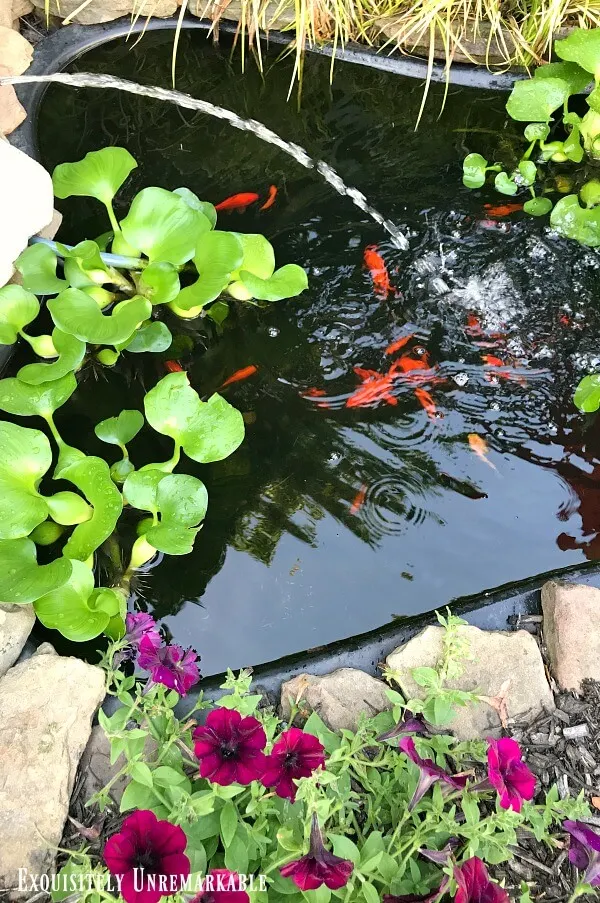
x=572 y=632
x=573 y=733
x=96 y=770
x=502 y=663
x=16 y=623
x=46 y=708
x=339 y=698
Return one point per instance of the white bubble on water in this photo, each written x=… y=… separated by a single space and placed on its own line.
x=273 y=332
x=461 y=379
x=334 y=458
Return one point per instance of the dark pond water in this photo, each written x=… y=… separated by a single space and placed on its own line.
x=286 y=561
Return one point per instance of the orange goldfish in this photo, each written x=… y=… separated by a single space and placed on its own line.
x=427 y=402
x=496 y=362
x=173 y=367
x=399 y=343
x=480 y=447
x=239 y=375
x=316 y=393
x=501 y=210
x=238 y=201
x=375 y=264
x=359 y=499
x=492 y=361
x=407 y=364
x=271 y=199
x=376 y=387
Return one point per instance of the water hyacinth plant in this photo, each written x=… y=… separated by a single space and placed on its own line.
x=165 y=255
x=266 y=810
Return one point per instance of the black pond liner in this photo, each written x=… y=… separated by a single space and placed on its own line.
x=497 y=609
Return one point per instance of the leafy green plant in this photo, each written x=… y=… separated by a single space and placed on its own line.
x=165 y=253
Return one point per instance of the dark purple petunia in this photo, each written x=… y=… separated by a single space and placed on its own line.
x=222 y=886
x=230 y=748
x=584 y=851
x=474 y=885
x=429 y=772
x=508 y=773
x=416 y=724
x=296 y=754
x=319 y=866
x=171 y=666
x=139 y=625
x=149 y=856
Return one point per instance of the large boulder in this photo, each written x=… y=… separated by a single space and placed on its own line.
x=15 y=57
x=506 y=668
x=46 y=709
x=572 y=632
x=339 y=698
x=16 y=623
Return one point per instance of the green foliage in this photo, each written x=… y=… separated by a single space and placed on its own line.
x=99 y=312
x=587 y=394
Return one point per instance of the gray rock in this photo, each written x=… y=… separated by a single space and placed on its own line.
x=572 y=632
x=16 y=623
x=339 y=698
x=98 y=11
x=46 y=707
x=497 y=657
x=96 y=770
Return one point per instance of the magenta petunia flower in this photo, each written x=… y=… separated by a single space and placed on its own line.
x=319 y=866
x=429 y=772
x=296 y=754
x=139 y=625
x=416 y=724
x=474 y=885
x=148 y=855
x=171 y=666
x=222 y=886
x=584 y=851
x=230 y=748
x=508 y=773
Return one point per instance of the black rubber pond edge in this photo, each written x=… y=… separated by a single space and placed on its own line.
x=55 y=52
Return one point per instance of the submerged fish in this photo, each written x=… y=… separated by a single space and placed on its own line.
x=359 y=499
x=427 y=402
x=375 y=264
x=376 y=387
x=313 y=392
x=271 y=199
x=173 y=367
x=237 y=201
x=507 y=373
x=399 y=343
x=479 y=446
x=492 y=361
x=500 y=210
x=239 y=375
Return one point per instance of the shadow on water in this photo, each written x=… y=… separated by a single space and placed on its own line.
x=332 y=520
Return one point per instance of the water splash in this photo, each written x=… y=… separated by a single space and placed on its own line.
x=90 y=80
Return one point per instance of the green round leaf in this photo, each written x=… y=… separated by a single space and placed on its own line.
x=537 y=206
x=68 y=609
x=504 y=185
x=474 y=170
x=37 y=266
x=164 y=226
x=527 y=171
x=576 y=77
x=159 y=283
x=582 y=46
x=195 y=203
x=574 y=221
x=68 y=508
x=78 y=314
x=153 y=335
x=587 y=394
x=18 y=307
x=535 y=100
x=25 y=456
x=22 y=580
x=71 y=352
x=24 y=400
x=208 y=431
x=259 y=256
x=92 y=477
x=99 y=175
x=536 y=131
x=47 y=533
x=140 y=489
x=120 y=470
x=121 y=429
x=218 y=255
x=180 y=500
x=287 y=282
x=590 y=193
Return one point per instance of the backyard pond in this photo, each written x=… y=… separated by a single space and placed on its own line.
x=466 y=467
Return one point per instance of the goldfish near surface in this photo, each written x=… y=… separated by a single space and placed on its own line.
x=480 y=447
x=375 y=264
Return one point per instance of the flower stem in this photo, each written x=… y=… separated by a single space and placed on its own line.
x=113 y=219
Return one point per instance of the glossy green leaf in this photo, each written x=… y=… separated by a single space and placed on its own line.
x=18 y=307
x=99 y=175
x=474 y=170
x=535 y=100
x=84 y=266
x=219 y=311
x=164 y=226
x=505 y=185
x=207 y=431
x=218 y=255
x=286 y=282
x=527 y=171
x=22 y=580
x=159 y=282
x=37 y=266
x=71 y=351
x=77 y=610
x=91 y=476
x=582 y=46
x=590 y=193
x=179 y=500
x=537 y=206
x=121 y=429
x=76 y=313
x=153 y=335
x=24 y=400
x=25 y=456
x=587 y=394
x=140 y=489
x=68 y=508
x=593 y=99
x=576 y=77
x=573 y=221
x=537 y=131
x=572 y=145
x=195 y=203
x=47 y=533
x=259 y=256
